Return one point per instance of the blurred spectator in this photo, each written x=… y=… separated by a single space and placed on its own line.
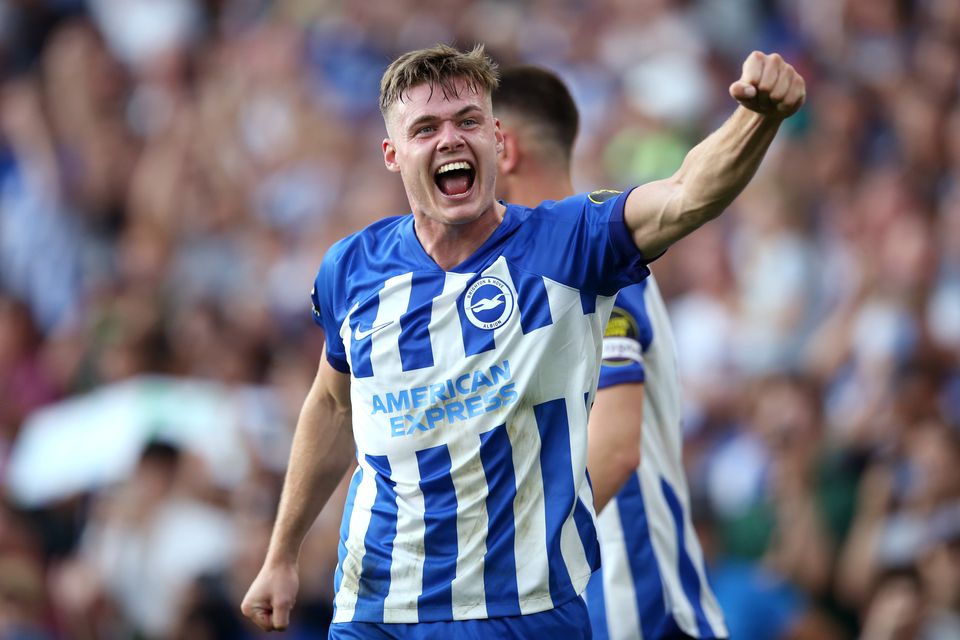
x=145 y=543
x=896 y=608
x=25 y=385
x=940 y=571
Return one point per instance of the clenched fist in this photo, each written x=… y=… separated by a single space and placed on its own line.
x=271 y=596
x=769 y=86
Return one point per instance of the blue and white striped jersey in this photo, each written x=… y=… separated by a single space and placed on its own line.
x=652 y=584
x=470 y=391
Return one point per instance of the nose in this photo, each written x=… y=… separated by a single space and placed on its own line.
x=451 y=138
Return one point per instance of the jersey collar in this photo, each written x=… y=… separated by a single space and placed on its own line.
x=479 y=259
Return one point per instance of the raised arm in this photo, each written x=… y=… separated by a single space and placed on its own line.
x=716 y=170
x=321 y=453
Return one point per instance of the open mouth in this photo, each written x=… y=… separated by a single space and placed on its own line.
x=455 y=178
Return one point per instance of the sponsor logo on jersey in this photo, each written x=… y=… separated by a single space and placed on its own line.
x=489 y=303
x=602 y=195
x=447 y=402
x=621 y=340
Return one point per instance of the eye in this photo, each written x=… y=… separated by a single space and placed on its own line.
x=425 y=130
x=469 y=123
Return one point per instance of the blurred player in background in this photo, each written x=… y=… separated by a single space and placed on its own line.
x=462 y=345
x=652 y=584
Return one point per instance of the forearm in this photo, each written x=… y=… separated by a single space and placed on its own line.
x=320 y=454
x=710 y=178
x=659 y=213
x=608 y=472
x=717 y=170
x=613 y=443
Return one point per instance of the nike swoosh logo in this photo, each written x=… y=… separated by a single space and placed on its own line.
x=363 y=335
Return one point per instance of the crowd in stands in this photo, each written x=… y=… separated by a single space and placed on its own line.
x=172 y=172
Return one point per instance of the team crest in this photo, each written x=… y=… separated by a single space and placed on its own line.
x=489 y=303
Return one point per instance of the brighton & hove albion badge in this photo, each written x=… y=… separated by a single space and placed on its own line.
x=489 y=303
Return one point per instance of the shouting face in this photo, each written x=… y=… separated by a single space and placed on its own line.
x=445 y=148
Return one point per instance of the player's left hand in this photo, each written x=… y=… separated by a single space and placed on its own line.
x=769 y=86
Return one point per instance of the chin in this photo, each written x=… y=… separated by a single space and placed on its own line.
x=458 y=216
x=463 y=209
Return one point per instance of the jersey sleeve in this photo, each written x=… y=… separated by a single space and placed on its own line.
x=325 y=314
x=583 y=242
x=627 y=336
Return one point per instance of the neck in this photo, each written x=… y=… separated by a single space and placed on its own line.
x=530 y=188
x=450 y=244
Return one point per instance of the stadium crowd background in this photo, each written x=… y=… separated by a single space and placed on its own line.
x=172 y=171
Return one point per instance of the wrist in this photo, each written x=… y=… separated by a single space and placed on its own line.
x=773 y=118
x=281 y=556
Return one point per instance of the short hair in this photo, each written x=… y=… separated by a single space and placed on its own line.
x=439 y=66
x=541 y=98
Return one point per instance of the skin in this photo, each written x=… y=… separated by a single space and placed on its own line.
x=427 y=130
x=529 y=173
x=715 y=171
x=451 y=229
x=613 y=449
x=322 y=451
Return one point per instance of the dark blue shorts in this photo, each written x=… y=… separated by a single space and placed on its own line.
x=568 y=621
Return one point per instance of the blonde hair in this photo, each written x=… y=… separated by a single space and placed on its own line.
x=439 y=66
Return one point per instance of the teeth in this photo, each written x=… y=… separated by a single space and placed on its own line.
x=453 y=166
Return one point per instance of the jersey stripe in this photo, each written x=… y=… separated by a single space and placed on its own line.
x=440 y=535
x=619 y=614
x=663 y=540
x=416 y=351
x=688 y=573
x=393 y=300
x=475 y=339
x=362 y=318
x=588 y=303
x=468 y=593
x=528 y=507
x=708 y=600
x=596 y=606
x=355 y=550
x=406 y=570
x=643 y=563
x=555 y=464
x=532 y=298
x=499 y=563
x=378 y=542
x=588 y=533
x=345 y=526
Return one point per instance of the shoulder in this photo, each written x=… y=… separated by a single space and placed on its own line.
x=576 y=206
x=561 y=218
x=385 y=231
x=358 y=253
x=367 y=250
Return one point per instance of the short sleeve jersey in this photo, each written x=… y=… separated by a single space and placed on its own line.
x=470 y=391
x=653 y=583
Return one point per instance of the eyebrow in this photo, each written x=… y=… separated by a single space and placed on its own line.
x=433 y=118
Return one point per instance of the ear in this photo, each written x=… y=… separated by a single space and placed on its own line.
x=509 y=156
x=390 y=156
